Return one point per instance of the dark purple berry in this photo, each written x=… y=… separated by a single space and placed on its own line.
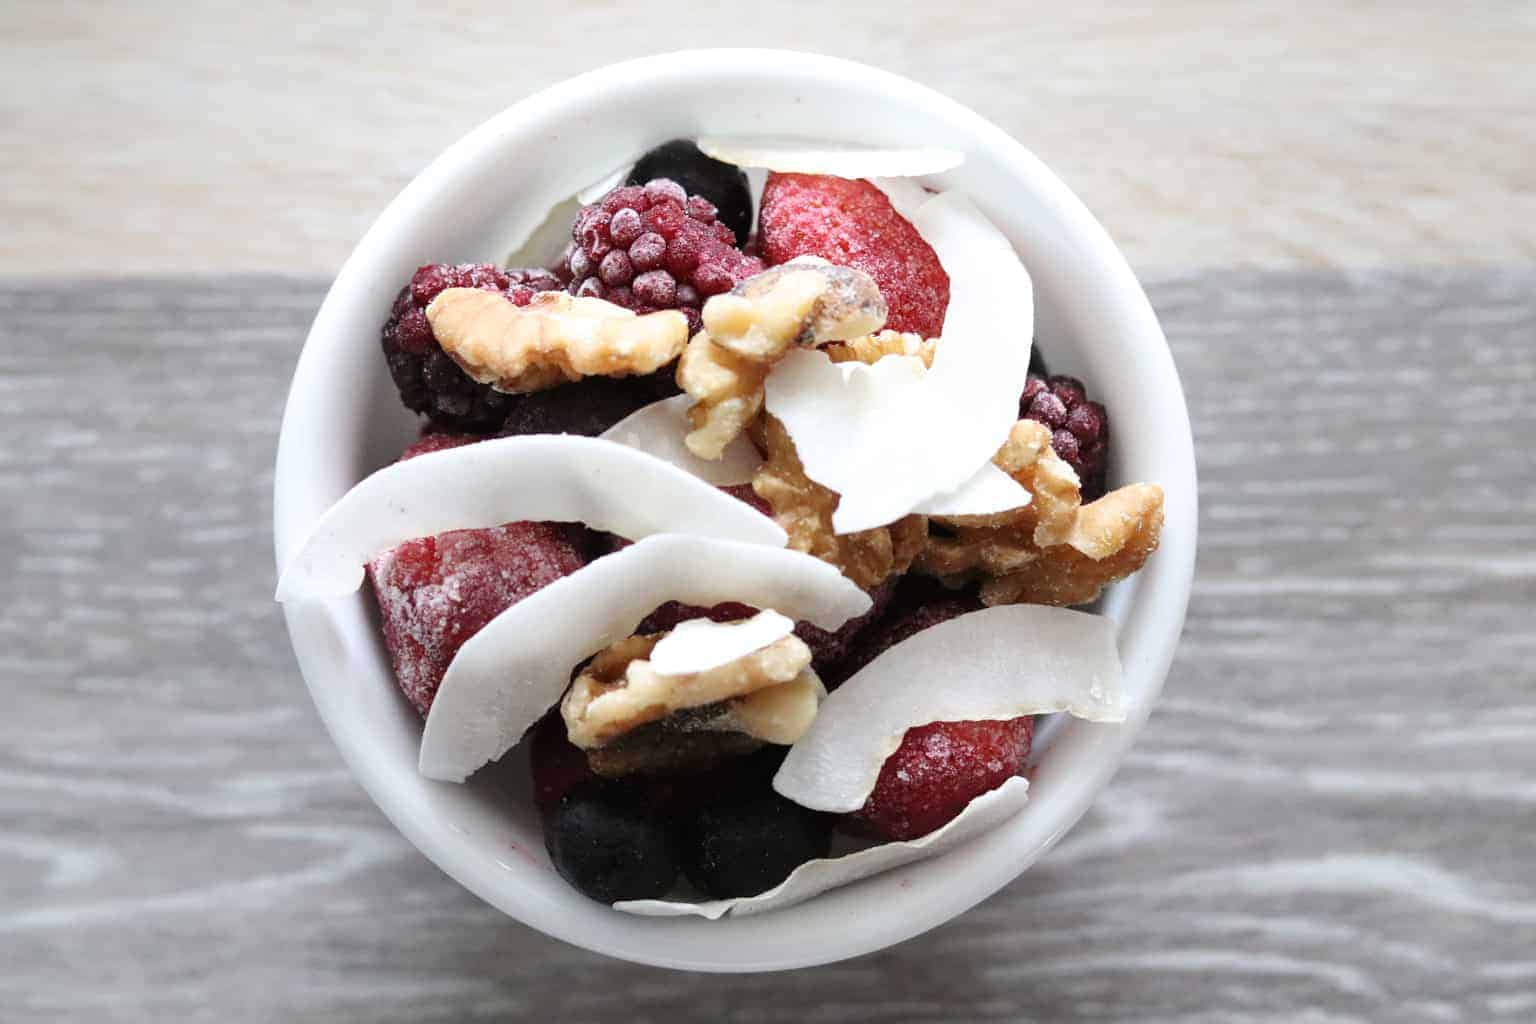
x=723 y=186
x=605 y=839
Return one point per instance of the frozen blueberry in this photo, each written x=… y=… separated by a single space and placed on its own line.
x=748 y=843
x=606 y=840
x=723 y=185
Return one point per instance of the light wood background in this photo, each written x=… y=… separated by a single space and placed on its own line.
x=1329 y=817
x=213 y=137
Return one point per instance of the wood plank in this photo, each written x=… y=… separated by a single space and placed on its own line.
x=1327 y=819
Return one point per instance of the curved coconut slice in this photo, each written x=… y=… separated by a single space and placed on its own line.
x=996 y=663
x=541 y=244
x=905 y=437
x=987 y=493
x=814 y=877
x=659 y=428
x=560 y=477
x=814 y=156
x=699 y=645
x=509 y=673
x=906 y=195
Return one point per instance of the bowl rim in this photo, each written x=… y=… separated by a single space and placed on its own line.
x=990 y=861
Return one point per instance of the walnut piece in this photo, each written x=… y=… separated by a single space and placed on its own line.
x=871 y=348
x=619 y=692
x=804 y=509
x=1055 y=550
x=803 y=302
x=554 y=339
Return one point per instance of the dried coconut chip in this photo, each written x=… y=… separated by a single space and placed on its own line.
x=658 y=429
x=997 y=663
x=701 y=644
x=508 y=674
x=561 y=478
x=987 y=493
x=541 y=243
x=815 y=877
x=855 y=424
x=815 y=156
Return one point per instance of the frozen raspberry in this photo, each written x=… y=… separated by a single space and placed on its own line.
x=852 y=223
x=556 y=764
x=588 y=407
x=429 y=381
x=653 y=246
x=1079 y=428
x=937 y=771
x=917 y=605
x=434 y=593
x=706 y=179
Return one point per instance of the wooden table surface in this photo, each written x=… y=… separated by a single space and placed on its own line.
x=1329 y=817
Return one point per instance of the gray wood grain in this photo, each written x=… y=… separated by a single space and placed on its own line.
x=1329 y=817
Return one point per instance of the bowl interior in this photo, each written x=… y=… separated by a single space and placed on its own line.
x=343 y=420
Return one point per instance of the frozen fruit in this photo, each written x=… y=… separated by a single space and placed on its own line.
x=429 y=380
x=437 y=441
x=829 y=648
x=434 y=593
x=1079 y=428
x=556 y=764
x=586 y=407
x=917 y=605
x=653 y=246
x=852 y=223
x=722 y=184
x=937 y=770
x=607 y=841
x=742 y=844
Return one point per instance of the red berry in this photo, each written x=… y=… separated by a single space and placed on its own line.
x=1079 y=428
x=853 y=224
x=434 y=593
x=937 y=771
x=556 y=764
x=653 y=246
x=437 y=441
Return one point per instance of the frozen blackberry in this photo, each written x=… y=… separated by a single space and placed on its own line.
x=723 y=184
x=588 y=407
x=742 y=845
x=1079 y=428
x=654 y=246
x=430 y=382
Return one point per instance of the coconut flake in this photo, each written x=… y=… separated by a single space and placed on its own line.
x=561 y=477
x=513 y=669
x=904 y=437
x=997 y=663
x=987 y=493
x=906 y=195
x=607 y=183
x=699 y=645
x=816 y=156
x=814 y=877
x=543 y=245
x=659 y=428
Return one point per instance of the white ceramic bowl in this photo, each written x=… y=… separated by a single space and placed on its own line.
x=343 y=420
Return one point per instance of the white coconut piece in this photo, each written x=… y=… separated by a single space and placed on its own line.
x=812 y=878
x=659 y=428
x=997 y=663
x=815 y=156
x=699 y=645
x=544 y=244
x=906 y=196
x=987 y=493
x=513 y=669
x=904 y=437
x=560 y=477
x=607 y=183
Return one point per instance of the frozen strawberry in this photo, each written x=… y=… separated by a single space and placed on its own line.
x=852 y=223
x=437 y=441
x=434 y=593
x=937 y=771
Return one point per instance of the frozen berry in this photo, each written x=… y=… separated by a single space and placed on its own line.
x=586 y=407
x=606 y=840
x=434 y=593
x=556 y=764
x=719 y=185
x=652 y=245
x=917 y=605
x=937 y=770
x=429 y=380
x=1079 y=428
x=853 y=224
x=437 y=441
x=742 y=845
x=830 y=647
